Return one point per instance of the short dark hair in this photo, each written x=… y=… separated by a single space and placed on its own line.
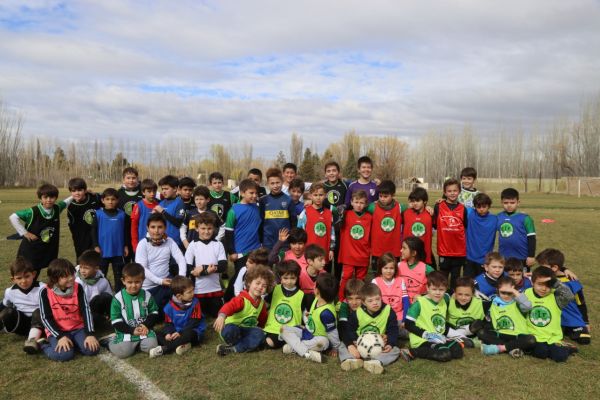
x=47 y=189
x=437 y=278
x=288 y=267
x=542 y=272
x=469 y=172
x=259 y=256
x=451 y=182
x=482 y=199
x=274 y=173
x=206 y=218
x=297 y=235
x=290 y=166
x=215 y=175
x=465 y=281
x=90 y=258
x=169 y=180
x=260 y=271
x=509 y=194
x=133 y=269
x=353 y=287
x=298 y=183
x=331 y=164
x=110 y=192
x=314 y=251
x=364 y=160
x=247 y=184
x=255 y=171
x=387 y=187
x=77 y=184
x=148 y=184
x=418 y=194
x=384 y=260
x=59 y=268
x=21 y=265
x=201 y=191
x=360 y=195
x=130 y=170
x=156 y=218
x=513 y=264
x=179 y=284
x=505 y=280
x=186 y=181
x=369 y=290
x=551 y=257
x=325 y=284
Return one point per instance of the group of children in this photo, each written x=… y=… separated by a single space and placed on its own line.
x=300 y=270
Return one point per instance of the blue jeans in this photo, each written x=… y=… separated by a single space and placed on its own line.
x=77 y=337
x=244 y=339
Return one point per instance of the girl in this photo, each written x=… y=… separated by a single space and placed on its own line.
x=413 y=268
x=66 y=314
x=463 y=310
x=392 y=286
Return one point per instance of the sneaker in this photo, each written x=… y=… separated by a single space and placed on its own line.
x=569 y=346
x=351 y=364
x=224 y=349
x=287 y=349
x=313 y=356
x=468 y=343
x=106 y=339
x=406 y=355
x=516 y=353
x=184 y=348
x=489 y=349
x=31 y=346
x=155 y=352
x=41 y=342
x=373 y=366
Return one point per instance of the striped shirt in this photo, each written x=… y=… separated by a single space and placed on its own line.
x=133 y=311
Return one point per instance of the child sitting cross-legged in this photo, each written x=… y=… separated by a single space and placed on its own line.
x=463 y=310
x=98 y=291
x=514 y=268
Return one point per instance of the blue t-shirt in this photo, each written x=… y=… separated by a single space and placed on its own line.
x=244 y=220
x=513 y=230
x=481 y=235
x=111 y=233
x=175 y=208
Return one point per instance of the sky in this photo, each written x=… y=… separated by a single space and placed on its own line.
x=256 y=71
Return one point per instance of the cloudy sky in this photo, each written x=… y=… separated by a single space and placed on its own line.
x=225 y=71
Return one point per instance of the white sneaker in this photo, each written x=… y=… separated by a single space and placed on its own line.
x=373 y=366
x=313 y=356
x=351 y=364
x=287 y=349
x=155 y=352
x=184 y=348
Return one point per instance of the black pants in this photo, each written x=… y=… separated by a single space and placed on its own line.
x=117 y=263
x=100 y=308
x=186 y=336
x=580 y=334
x=553 y=351
x=451 y=266
x=439 y=352
x=511 y=342
x=472 y=269
x=15 y=321
x=211 y=305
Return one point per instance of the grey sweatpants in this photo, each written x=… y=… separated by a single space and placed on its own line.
x=293 y=336
x=126 y=349
x=384 y=358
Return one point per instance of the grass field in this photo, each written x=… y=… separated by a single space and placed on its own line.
x=202 y=374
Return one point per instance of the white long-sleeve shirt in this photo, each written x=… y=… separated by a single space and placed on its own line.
x=91 y=291
x=155 y=260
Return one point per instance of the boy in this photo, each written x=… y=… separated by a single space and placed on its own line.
x=98 y=292
x=20 y=309
x=255 y=175
x=464 y=309
x=188 y=232
x=240 y=320
x=364 y=182
x=516 y=230
x=79 y=213
x=355 y=247
x=372 y=316
x=426 y=322
x=142 y=210
x=574 y=320
x=317 y=221
x=185 y=189
x=39 y=226
x=276 y=209
x=351 y=303
x=481 y=234
x=514 y=269
x=486 y=283
x=335 y=195
x=548 y=297
x=315 y=260
x=290 y=171
x=220 y=201
x=171 y=207
x=296 y=191
x=320 y=331
x=418 y=222
x=296 y=238
x=468 y=176
x=206 y=260
x=129 y=195
x=108 y=235
x=257 y=257
x=450 y=220
x=133 y=314
x=386 y=227
x=184 y=323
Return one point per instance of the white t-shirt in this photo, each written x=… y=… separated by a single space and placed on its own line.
x=25 y=301
x=199 y=253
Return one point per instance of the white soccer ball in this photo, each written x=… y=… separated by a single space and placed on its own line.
x=370 y=344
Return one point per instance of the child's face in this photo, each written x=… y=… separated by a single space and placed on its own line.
x=407 y=254
x=332 y=174
x=516 y=276
x=388 y=271
x=88 y=271
x=289 y=175
x=318 y=197
x=78 y=194
x=187 y=295
x=274 y=183
x=249 y=196
x=295 y=194
x=506 y=292
x=494 y=269
x=110 y=202
x=288 y=281
x=297 y=248
x=451 y=192
x=257 y=288
x=201 y=202
x=354 y=301
x=133 y=284
x=149 y=195
x=24 y=280
x=358 y=204
x=255 y=178
x=186 y=192
x=373 y=303
x=463 y=294
x=65 y=282
x=510 y=205
x=47 y=201
x=205 y=231
x=217 y=185
x=467 y=182
x=436 y=293
x=365 y=170
x=168 y=192
x=130 y=181
x=318 y=263
x=385 y=199
x=156 y=229
x=482 y=210
x=541 y=286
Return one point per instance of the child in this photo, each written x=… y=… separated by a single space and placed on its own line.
x=364 y=182
x=350 y=304
x=40 y=227
x=335 y=195
x=171 y=207
x=133 y=314
x=372 y=316
x=315 y=259
x=206 y=260
x=486 y=283
x=219 y=200
x=79 y=213
x=296 y=192
x=468 y=176
x=508 y=332
x=418 y=222
x=355 y=248
x=548 y=297
x=386 y=228
x=450 y=220
x=20 y=308
x=426 y=322
x=240 y=320
x=296 y=238
x=514 y=268
x=290 y=171
x=574 y=319
x=188 y=232
x=516 y=230
x=66 y=314
x=393 y=288
x=108 y=235
x=129 y=194
x=412 y=269
x=184 y=323
x=286 y=303
x=463 y=310
x=320 y=330
x=276 y=209
x=481 y=234
x=97 y=289
x=184 y=191
x=142 y=210
x=318 y=221
x=255 y=175
x=154 y=254
x=257 y=257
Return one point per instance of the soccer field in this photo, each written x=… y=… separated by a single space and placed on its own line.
x=202 y=374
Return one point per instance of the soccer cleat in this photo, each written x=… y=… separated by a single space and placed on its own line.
x=224 y=349
x=155 y=352
x=373 y=366
x=287 y=349
x=406 y=355
x=351 y=364
x=489 y=349
x=516 y=353
x=184 y=348
x=31 y=346
x=313 y=356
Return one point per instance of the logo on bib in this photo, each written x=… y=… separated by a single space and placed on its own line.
x=333 y=196
x=505 y=323
x=388 y=224
x=128 y=207
x=439 y=323
x=88 y=216
x=283 y=313
x=219 y=209
x=310 y=324
x=357 y=232
x=540 y=316
x=46 y=234
x=506 y=230
x=369 y=328
x=464 y=321
x=418 y=229
x=320 y=229
x=249 y=322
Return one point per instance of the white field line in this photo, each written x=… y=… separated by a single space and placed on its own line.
x=138 y=379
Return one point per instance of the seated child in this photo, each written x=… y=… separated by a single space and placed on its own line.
x=20 y=308
x=412 y=268
x=350 y=304
x=296 y=238
x=256 y=257
x=66 y=314
x=486 y=283
x=514 y=268
x=508 y=331
x=97 y=289
x=184 y=324
x=393 y=289
x=320 y=329
x=463 y=310
x=133 y=314
x=241 y=319
x=426 y=322
x=372 y=316
x=315 y=258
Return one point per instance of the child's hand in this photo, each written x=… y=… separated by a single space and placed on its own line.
x=137 y=331
x=516 y=292
x=125 y=251
x=91 y=343
x=186 y=244
x=30 y=236
x=386 y=349
x=143 y=329
x=571 y=275
x=354 y=351
x=332 y=353
x=211 y=269
x=284 y=234
x=219 y=324
x=196 y=271
x=64 y=344
x=530 y=261
x=166 y=282
x=157 y=209
x=430 y=209
x=233 y=257
x=384 y=336
x=331 y=255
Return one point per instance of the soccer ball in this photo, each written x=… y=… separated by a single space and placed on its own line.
x=370 y=344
